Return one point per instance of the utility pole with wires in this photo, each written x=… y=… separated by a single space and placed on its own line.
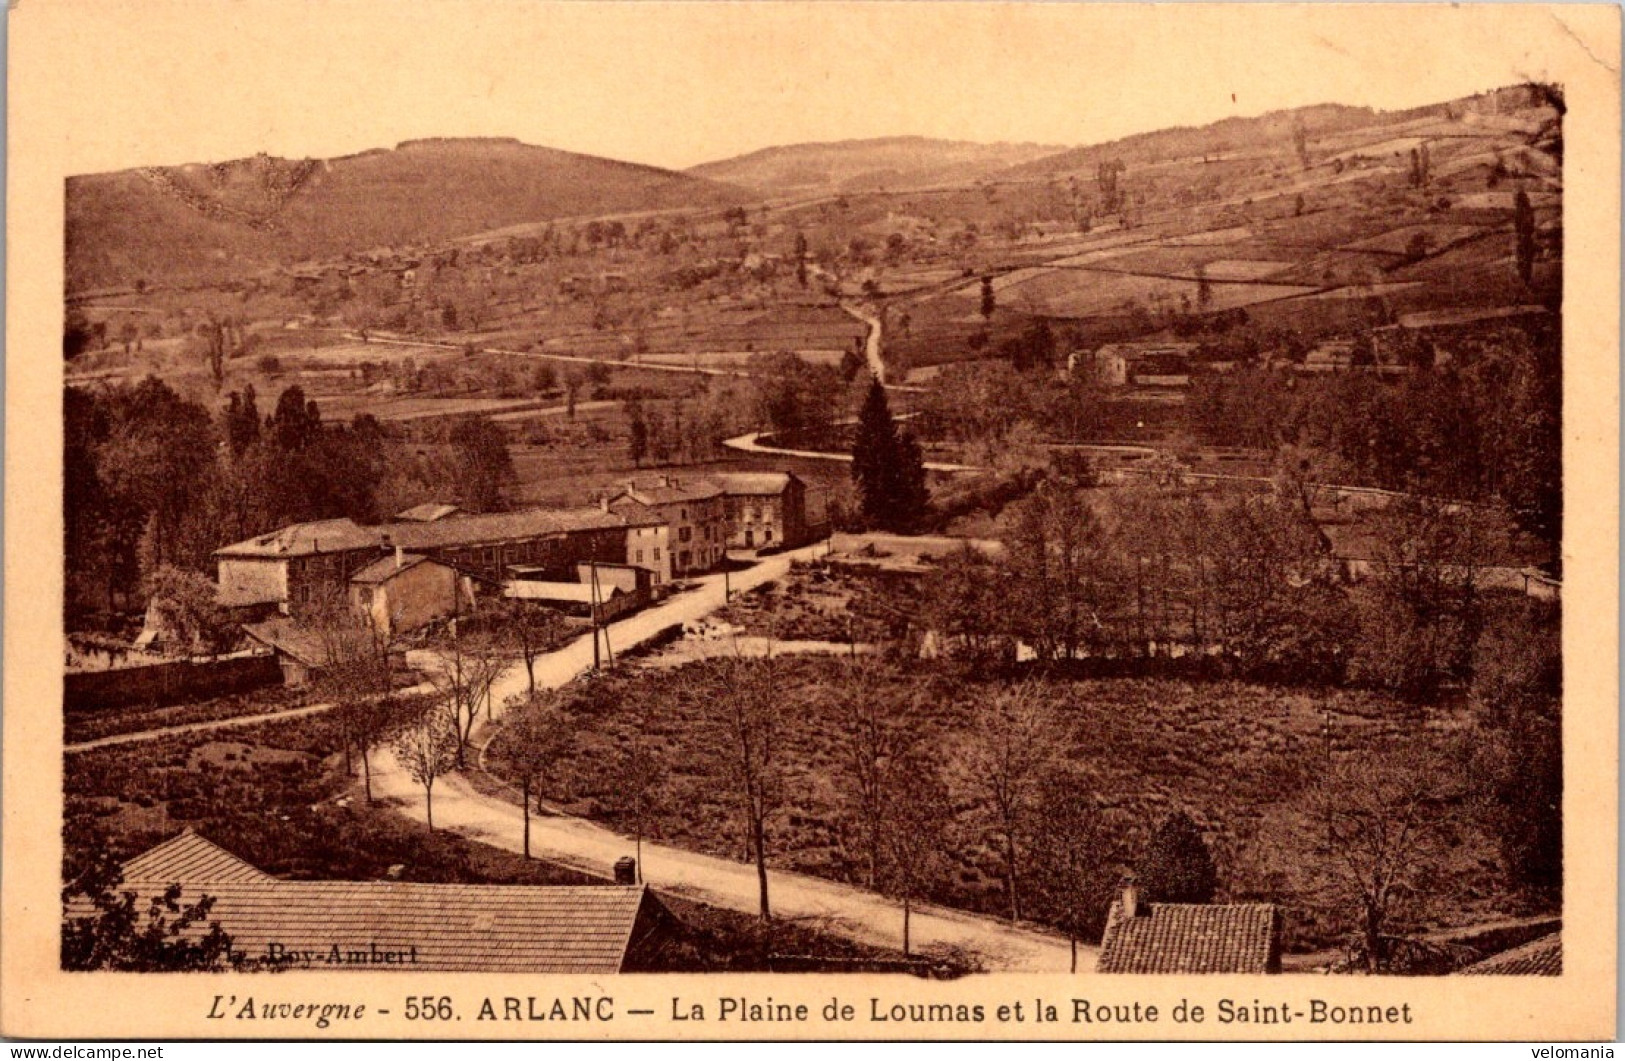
x=598 y=624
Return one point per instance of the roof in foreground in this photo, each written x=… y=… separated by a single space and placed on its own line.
x=1540 y=957
x=1191 y=938
x=431 y=927
x=188 y=859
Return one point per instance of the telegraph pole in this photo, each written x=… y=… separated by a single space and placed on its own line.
x=592 y=610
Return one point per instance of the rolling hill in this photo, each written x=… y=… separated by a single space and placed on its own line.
x=892 y=163
x=204 y=222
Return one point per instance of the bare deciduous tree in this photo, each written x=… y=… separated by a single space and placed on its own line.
x=874 y=734
x=641 y=771
x=538 y=736
x=1075 y=867
x=529 y=630
x=468 y=666
x=1016 y=741
x=356 y=675
x=913 y=836
x=427 y=748
x=1383 y=816
x=742 y=702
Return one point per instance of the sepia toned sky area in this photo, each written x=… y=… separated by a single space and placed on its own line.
x=173 y=81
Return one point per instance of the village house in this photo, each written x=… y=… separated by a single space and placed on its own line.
x=1144 y=937
x=648 y=537
x=404 y=591
x=1145 y=364
x=337 y=926
x=305 y=562
x=696 y=516
x=765 y=509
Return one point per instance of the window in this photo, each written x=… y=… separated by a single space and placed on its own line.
x=682 y=513
x=657 y=554
x=685 y=533
x=640 y=557
x=767 y=534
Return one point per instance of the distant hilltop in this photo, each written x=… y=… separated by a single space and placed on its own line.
x=208 y=221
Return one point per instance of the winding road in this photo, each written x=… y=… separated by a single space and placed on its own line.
x=839 y=909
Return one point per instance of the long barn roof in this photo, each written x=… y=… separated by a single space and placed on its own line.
x=342 y=535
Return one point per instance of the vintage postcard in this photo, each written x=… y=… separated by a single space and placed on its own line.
x=791 y=520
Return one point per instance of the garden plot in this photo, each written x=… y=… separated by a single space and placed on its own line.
x=1399 y=146
x=972 y=291
x=1355 y=291
x=1216 y=236
x=1321 y=230
x=734 y=359
x=431 y=408
x=1078 y=293
x=1398 y=241
x=1235 y=296
x=910 y=279
x=1337 y=269
x=1244 y=268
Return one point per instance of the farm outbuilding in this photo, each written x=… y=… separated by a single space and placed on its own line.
x=404 y=926
x=406 y=590
x=1144 y=937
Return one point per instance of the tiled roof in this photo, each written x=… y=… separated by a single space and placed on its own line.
x=572 y=592
x=431 y=927
x=754 y=483
x=189 y=859
x=342 y=535
x=1192 y=938
x=385 y=568
x=301 y=642
x=1541 y=957
x=300 y=539
x=636 y=513
x=499 y=527
x=428 y=512
x=673 y=490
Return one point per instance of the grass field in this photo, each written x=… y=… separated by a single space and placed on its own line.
x=1237 y=757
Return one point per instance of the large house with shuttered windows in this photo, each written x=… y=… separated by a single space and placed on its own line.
x=707 y=515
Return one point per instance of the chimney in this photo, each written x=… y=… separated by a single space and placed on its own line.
x=1131 y=898
x=626 y=871
x=400 y=558
x=603 y=502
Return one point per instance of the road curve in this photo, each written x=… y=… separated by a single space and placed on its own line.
x=841 y=909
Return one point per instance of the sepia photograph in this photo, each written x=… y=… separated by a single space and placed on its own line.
x=899 y=511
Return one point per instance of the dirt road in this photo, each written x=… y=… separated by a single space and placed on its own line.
x=840 y=909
